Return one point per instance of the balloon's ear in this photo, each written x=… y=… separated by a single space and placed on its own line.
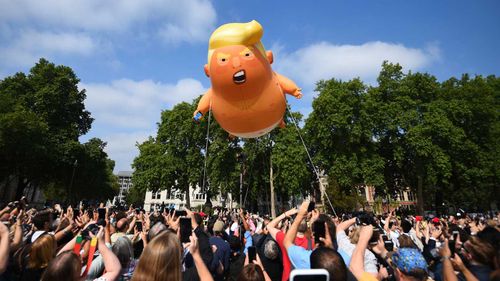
x=270 y=57
x=207 y=72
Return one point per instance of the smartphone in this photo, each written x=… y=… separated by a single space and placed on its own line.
x=389 y=245
x=186 y=229
x=76 y=213
x=138 y=224
x=451 y=245
x=311 y=206
x=101 y=216
x=309 y=275
x=252 y=254
x=319 y=231
x=375 y=237
x=180 y=213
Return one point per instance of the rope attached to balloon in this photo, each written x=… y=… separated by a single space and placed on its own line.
x=310 y=160
x=206 y=148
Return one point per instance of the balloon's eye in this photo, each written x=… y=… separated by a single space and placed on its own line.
x=247 y=54
x=223 y=59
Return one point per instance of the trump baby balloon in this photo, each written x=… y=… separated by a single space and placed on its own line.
x=247 y=97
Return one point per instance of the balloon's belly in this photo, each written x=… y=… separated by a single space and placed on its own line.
x=251 y=120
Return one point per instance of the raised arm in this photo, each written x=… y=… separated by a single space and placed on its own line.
x=201 y=268
x=345 y=225
x=203 y=106
x=288 y=86
x=292 y=232
x=111 y=263
x=4 y=247
x=271 y=227
x=358 y=256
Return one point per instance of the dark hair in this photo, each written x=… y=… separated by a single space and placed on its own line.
x=251 y=272
x=330 y=260
x=66 y=266
x=417 y=273
x=331 y=226
x=41 y=218
x=198 y=219
x=406 y=225
x=235 y=244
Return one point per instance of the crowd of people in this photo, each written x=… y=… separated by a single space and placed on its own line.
x=111 y=243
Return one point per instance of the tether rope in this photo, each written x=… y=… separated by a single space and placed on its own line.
x=310 y=159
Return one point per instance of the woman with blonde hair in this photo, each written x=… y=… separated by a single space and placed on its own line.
x=162 y=257
x=42 y=252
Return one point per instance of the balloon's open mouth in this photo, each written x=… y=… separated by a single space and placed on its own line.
x=239 y=77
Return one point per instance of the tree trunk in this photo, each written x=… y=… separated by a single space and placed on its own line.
x=271 y=185
x=420 y=196
x=20 y=188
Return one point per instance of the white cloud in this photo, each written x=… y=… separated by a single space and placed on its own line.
x=30 y=45
x=126 y=112
x=190 y=19
x=325 y=60
x=127 y=103
x=122 y=148
x=30 y=29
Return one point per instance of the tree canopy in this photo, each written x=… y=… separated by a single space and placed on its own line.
x=42 y=116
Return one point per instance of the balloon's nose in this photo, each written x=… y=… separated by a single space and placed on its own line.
x=236 y=62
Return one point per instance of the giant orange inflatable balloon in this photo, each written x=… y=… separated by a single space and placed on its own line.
x=247 y=97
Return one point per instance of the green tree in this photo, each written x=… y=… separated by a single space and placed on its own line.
x=42 y=115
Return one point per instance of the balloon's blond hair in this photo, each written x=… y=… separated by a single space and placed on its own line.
x=247 y=34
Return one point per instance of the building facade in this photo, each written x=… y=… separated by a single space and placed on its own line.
x=125 y=183
x=177 y=200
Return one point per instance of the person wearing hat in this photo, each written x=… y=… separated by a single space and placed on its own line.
x=409 y=264
x=223 y=250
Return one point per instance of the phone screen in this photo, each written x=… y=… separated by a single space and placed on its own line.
x=319 y=231
x=180 y=213
x=311 y=206
x=186 y=229
x=138 y=224
x=101 y=212
x=309 y=275
x=252 y=254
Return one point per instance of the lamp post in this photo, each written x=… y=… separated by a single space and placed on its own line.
x=71 y=182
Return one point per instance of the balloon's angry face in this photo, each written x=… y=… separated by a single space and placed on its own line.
x=238 y=66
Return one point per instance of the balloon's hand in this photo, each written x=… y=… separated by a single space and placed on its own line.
x=197 y=116
x=297 y=93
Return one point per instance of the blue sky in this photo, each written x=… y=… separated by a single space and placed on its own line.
x=138 y=57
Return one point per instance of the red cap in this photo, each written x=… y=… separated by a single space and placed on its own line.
x=435 y=220
x=202 y=214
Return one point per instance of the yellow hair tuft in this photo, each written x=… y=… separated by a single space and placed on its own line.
x=247 y=34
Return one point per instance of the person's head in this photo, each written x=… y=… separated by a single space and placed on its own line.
x=354 y=234
x=406 y=225
x=330 y=260
x=235 y=244
x=271 y=249
x=66 y=266
x=122 y=225
x=302 y=227
x=251 y=272
x=406 y=242
x=198 y=219
x=409 y=265
x=43 y=220
x=330 y=224
x=42 y=251
x=478 y=250
x=155 y=230
x=218 y=228
x=123 y=250
x=160 y=260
